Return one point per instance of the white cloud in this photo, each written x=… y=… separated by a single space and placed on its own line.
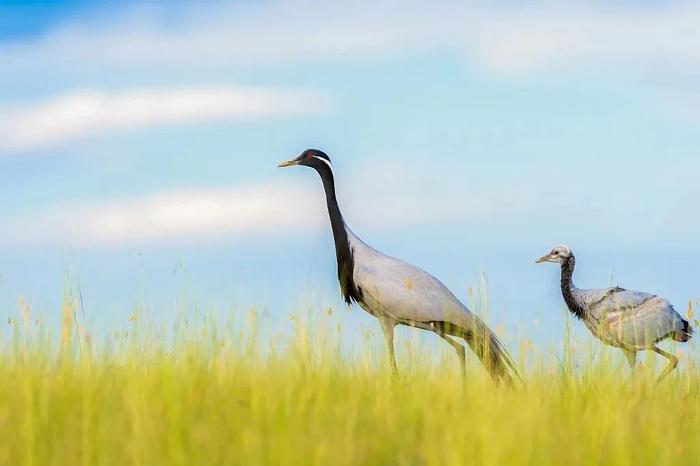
x=195 y=214
x=83 y=113
x=373 y=198
x=217 y=35
x=505 y=38
x=589 y=37
x=660 y=44
x=377 y=197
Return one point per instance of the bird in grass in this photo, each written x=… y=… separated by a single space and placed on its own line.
x=398 y=293
x=630 y=320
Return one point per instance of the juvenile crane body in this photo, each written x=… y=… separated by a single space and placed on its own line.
x=630 y=320
x=398 y=293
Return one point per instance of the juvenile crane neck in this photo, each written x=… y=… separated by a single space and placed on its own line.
x=568 y=287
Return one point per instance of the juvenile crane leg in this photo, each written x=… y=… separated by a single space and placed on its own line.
x=631 y=358
x=673 y=362
x=459 y=348
x=388 y=329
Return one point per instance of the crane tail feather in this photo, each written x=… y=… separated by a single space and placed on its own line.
x=489 y=349
x=685 y=334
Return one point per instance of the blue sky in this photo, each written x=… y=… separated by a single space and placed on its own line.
x=138 y=145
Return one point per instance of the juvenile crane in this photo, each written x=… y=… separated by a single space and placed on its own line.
x=630 y=320
x=397 y=293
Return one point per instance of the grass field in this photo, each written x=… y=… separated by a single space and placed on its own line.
x=207 y=390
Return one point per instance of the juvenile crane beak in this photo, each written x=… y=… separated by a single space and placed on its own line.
x=289 y=163
x=542 y=259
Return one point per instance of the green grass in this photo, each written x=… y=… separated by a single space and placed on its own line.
x=214 y=391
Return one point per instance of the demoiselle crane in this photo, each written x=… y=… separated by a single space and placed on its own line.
x=631 y=320
x=398 y=293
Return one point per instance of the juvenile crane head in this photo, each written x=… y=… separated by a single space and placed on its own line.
x=313 y=158
x=559 y=254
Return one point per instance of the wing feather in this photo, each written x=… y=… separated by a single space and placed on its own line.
x=637 y=323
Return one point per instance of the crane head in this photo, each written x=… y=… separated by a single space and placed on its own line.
x=310 y=158
x=558 y=254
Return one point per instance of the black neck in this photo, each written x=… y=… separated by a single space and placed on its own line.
x=340 y=234
x=343 y=253
x=567 y=287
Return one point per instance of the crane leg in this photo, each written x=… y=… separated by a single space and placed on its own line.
x=673 y=362
x=388 y=326
x=631 y=358
x=458 y=347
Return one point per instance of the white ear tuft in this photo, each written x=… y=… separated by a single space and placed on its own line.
x=327 y=162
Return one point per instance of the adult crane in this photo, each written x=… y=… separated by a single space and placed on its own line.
x=630 y=320
x=398 y=293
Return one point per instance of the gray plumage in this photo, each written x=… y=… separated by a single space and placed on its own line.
x=631 y=320
x=398 y=293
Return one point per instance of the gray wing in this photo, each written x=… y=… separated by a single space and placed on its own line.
x=599 y=302
x=641 y=326
x=405 y=292
x=588 y=298
x=632 y=319
x=409 y=295
x=628 y=299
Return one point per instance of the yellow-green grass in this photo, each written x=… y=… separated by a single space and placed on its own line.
x=208 y=391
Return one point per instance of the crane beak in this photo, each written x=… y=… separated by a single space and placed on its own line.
x=542 y=259
x=289 y=163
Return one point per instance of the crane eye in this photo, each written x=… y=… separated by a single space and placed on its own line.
x=555 y=253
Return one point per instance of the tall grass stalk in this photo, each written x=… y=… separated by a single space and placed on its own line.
x=239 y=390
